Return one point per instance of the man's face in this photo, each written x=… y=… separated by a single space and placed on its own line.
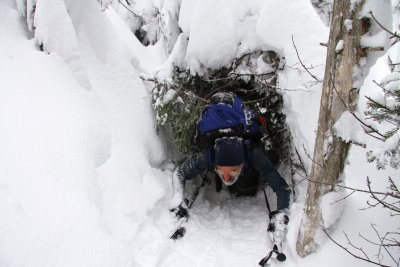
x=229 y=174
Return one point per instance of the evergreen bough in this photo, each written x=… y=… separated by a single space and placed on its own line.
x=387 y=110
x=178 y=102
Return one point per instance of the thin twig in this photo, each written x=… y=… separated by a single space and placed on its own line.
x=351 y=244
x=351 y=253
x=297 y=90
x=301 y=161
x=297 y=53
x=396 y=243
x=343 y=198
x=305 y=177
x=127 y=8
x=382 y=244
x=212 y=92
x=310 y=158
x=251 y=74
x=355 y=116
x=383 y=203
x=394 y=34
x=346 y=187
x=351 y=188
x=256 y=100
x=189 y=92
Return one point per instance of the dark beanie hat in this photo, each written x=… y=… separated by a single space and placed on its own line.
x=229 y=151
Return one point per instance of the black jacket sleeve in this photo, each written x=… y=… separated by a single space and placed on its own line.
x=190 y=168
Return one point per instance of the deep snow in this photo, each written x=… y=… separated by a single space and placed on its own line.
x=85 y=180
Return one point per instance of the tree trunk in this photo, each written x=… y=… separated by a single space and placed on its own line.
x=338 y=94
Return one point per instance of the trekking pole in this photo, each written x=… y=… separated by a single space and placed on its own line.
x=196 y=193
x=266 y=201
x=181 y=230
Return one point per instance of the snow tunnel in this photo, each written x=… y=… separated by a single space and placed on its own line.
x=254 y=77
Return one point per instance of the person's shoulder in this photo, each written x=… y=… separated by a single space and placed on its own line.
x=199 y=156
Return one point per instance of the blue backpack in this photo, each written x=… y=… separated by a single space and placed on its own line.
x=226 y=116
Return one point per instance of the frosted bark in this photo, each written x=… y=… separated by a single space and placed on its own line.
x=344 y=74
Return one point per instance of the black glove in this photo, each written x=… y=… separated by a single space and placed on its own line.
x=182 y=210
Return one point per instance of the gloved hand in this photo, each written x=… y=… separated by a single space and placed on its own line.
x=277 y=226
x=181 y=211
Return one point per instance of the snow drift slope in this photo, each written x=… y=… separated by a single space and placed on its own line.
x=72 y=169
x=51 y=132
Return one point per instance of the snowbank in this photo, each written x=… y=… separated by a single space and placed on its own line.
x=79 y=168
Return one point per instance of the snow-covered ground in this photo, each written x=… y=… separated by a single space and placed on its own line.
x=84 y=178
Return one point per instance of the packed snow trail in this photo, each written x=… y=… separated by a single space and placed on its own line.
x=226 y=230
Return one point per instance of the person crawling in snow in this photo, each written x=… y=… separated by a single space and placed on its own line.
x=238 y=163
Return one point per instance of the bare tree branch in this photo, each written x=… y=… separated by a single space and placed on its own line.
x=343 y=198
x=310 y=158
x=351 y=244
x=351 y=253
x=394 y=194
x=130 y=10
x=394 y=34
x=301 y=62
x=382 y=244
x=357 y=118
x=383 y=203
x=350 y=188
